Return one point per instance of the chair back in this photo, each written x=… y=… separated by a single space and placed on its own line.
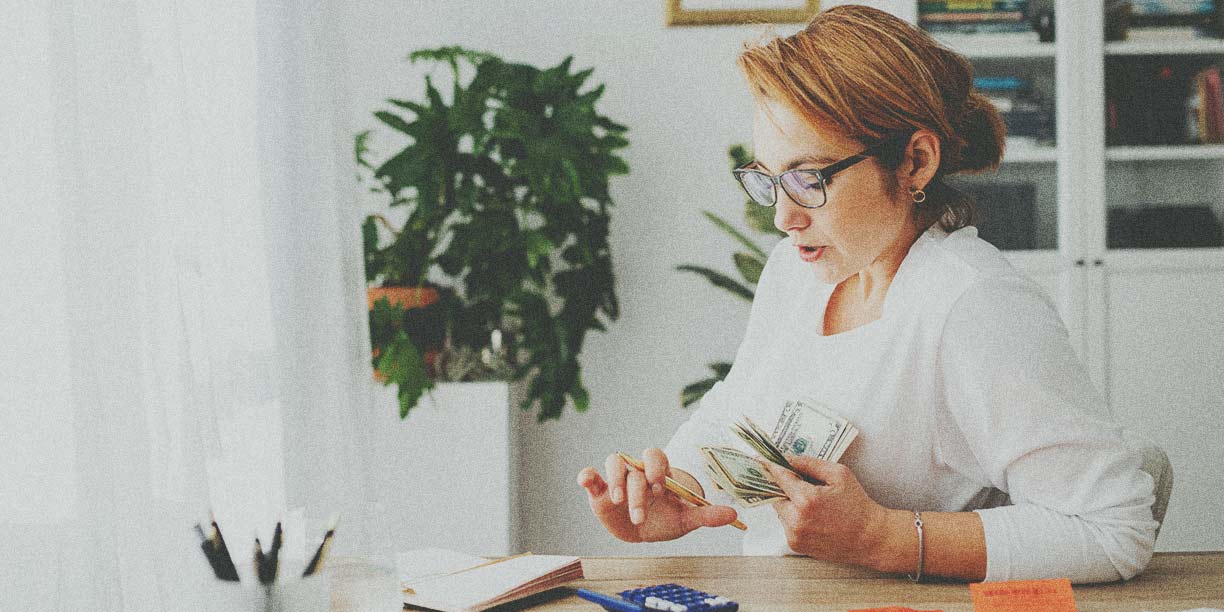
x=1156 y=463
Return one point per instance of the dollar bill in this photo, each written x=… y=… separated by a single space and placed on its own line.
x=741 y=476
x=805 y=427
x=760 y=442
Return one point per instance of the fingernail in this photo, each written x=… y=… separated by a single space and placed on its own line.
x=617 y=495
x=635 y=516
x=657 y=488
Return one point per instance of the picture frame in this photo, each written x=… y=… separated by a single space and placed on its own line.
x=737 y=12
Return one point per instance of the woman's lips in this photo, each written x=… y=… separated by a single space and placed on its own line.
x=810 y=254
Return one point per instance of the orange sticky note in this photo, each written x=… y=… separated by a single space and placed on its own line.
x=1023 y=596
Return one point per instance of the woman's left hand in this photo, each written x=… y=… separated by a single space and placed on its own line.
x=836 y=520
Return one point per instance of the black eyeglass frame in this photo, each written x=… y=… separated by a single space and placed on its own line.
x=824 y=175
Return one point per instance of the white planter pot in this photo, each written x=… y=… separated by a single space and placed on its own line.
x=445 y=473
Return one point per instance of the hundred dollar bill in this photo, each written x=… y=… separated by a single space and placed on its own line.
x=745 y=498
x=760 y=442
x=721 y=484
x=806 y=429
x=743 y=472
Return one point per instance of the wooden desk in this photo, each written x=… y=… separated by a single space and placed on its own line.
x=1173 y=581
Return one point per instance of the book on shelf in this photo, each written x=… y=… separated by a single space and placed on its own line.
x=974 y=16
x=1162 y=20
x=1163 y=101
x=1204 y=118
x=1025 y=113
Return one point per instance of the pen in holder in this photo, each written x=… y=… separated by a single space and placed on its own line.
x=274 y=584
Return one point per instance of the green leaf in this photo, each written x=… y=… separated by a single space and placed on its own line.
x=734 y=233
x=694 y=392
x=721 y=369
x=360 y=148
x=720 y=280
x=538 y=247
x=749 y=267
x=739 y=155
x=394 y=121
x=582 y=399
x=402 y=365
x=416 y=107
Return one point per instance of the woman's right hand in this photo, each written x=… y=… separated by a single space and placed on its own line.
x=635 y=506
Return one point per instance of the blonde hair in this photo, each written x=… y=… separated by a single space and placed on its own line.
x=876 y=77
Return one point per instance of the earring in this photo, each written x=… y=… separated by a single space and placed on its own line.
x=918 y=195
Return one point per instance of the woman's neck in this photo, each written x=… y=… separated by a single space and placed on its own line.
x=870 y=285
x=859 y=299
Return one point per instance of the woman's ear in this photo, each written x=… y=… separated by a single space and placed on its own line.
x=921 y=160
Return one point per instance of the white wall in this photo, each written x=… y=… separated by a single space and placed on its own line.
x=680 y=94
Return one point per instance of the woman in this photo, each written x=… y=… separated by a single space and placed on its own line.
x=977 y=420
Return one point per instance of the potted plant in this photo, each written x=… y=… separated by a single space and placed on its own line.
x=503 y=188
x=748 y=264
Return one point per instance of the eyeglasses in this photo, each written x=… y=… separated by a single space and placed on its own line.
x=806 y=187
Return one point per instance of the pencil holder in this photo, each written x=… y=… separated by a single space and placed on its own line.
x=309 y=594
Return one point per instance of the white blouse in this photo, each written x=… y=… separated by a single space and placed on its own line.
x=966 y=394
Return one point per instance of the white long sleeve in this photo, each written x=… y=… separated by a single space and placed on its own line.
x=1019 y=399
x=966 y=386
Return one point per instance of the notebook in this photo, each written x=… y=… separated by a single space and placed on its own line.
x=451 y=581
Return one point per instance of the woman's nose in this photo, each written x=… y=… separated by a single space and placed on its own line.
x=788 y=215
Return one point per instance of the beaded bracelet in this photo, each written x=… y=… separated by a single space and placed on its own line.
x=918 y=525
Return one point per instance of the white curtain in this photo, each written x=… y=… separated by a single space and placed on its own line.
x=181 y=318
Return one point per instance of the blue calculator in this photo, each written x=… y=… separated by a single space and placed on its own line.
x=661 y=597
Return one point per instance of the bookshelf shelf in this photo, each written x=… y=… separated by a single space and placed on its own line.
x=1165 y=260
x=1165 y=153
x=1200 y=46
x=1030 y=154
x=1001 y=46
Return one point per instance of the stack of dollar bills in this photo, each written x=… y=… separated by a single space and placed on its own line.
x=805 y=428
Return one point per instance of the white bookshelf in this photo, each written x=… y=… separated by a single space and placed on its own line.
x=1149 y=323
x=1025 y=153
x=1165 y=153
x=1002 y=46
x=1199 y=46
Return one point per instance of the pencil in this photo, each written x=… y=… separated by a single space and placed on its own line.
x=324 y=546
x=680 y=490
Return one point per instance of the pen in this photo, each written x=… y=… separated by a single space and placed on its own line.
x=680 y=490
x=317 y=560
x=261 y=564
x=225 y=564
x=207 y=547
x=273 y=559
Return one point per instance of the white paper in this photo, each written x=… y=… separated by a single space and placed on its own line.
x=431 y=574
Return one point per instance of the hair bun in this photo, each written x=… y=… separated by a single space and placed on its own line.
x=984 y=135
